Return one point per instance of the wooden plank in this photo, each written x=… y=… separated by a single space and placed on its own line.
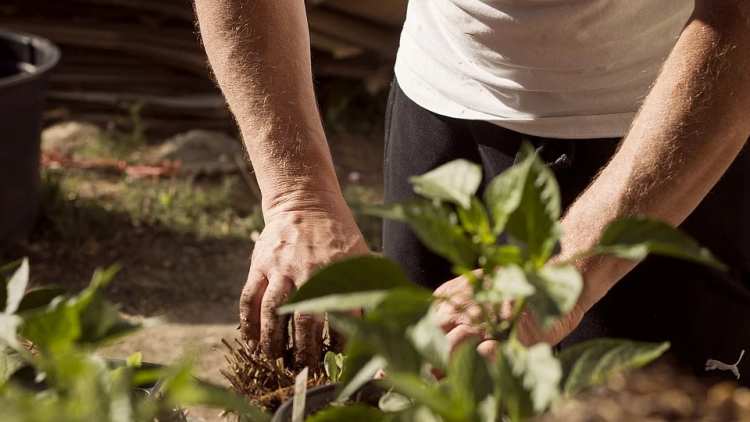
x=205 y=101
x=183 y=11
x=390 y=13
x=355 y=31
x=337 y=48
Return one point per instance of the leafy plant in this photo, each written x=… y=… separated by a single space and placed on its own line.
x=398 y=332
x=48 y=371
x=333 y=363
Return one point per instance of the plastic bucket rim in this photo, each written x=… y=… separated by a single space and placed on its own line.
x=36 y=42
x=322 y=390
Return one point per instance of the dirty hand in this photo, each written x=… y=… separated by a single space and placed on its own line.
x=295 y=242
x=458 y=316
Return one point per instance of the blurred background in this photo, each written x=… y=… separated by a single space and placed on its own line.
x=141 y=163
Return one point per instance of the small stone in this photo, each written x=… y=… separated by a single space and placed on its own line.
x=201 y=152
x=609 y=410
x=742 y=397
x=675 y=402
x=721 y=393
x=644 y=385
x=67 y=138
x=617 y=382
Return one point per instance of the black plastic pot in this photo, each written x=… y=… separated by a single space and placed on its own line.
x=319 y=398
x=25 y=62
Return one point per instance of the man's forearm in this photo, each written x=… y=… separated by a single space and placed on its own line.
x=691 y=127
x=260 y=54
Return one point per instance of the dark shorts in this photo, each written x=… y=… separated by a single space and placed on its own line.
x=704 y=313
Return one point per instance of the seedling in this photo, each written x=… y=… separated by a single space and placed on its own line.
x=398 y=333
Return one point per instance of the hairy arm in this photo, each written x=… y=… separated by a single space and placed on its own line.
x=259 y=51
x=689 y=130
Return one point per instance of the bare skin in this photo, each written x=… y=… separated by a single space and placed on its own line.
x=689 y=130
x=259 y=51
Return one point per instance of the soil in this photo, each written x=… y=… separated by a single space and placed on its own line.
x=657 y=393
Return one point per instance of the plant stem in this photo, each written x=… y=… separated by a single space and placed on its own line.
x=516 y=315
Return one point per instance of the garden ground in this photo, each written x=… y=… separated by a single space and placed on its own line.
x=183 y=241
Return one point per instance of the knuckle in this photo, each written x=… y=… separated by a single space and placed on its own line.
x=268 y=308
x=464 y=331
x=305 y=320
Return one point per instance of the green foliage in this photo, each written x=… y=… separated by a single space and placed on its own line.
x=10 y=362
x=333 y=363
x=469 y=380
x=557 y=290
x=75 y=384
x=436 y=225
x=15 y=287
x=360 y=282
x=534 y=222
x=358 y=412
x=455 y=182
x=399 y=334
x=591 y=362
x=633 y=238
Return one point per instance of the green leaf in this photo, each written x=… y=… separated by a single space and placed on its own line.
x=593 y=361
x=347 y=284
x=39 y=298
x=392 y=402
x=181 y=387
x=530 y=377
x=6 y=272
x=120 y=404
x=96 y=314
x=100 y=320
x=557 y=290
x=430 y=341
x=469 y=378
x=401 y=309
x=502 y=255
x=416 y=413
x=508 y=283
x=379 y=337
x=504 y=194
x=634 y=237
x=135 y=360
x=16 y=287
x=487 y=410
x=410 y=385
x=329 y=364
x=53 y=328
x=9 y=329
x=361 y=366
x=436 y=226
x=10 y=362
x=476 y=222
x=354 y=412
x=336 y=303
x=454 y=182
x=535 y=221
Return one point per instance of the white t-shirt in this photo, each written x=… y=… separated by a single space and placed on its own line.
x=572 y=69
